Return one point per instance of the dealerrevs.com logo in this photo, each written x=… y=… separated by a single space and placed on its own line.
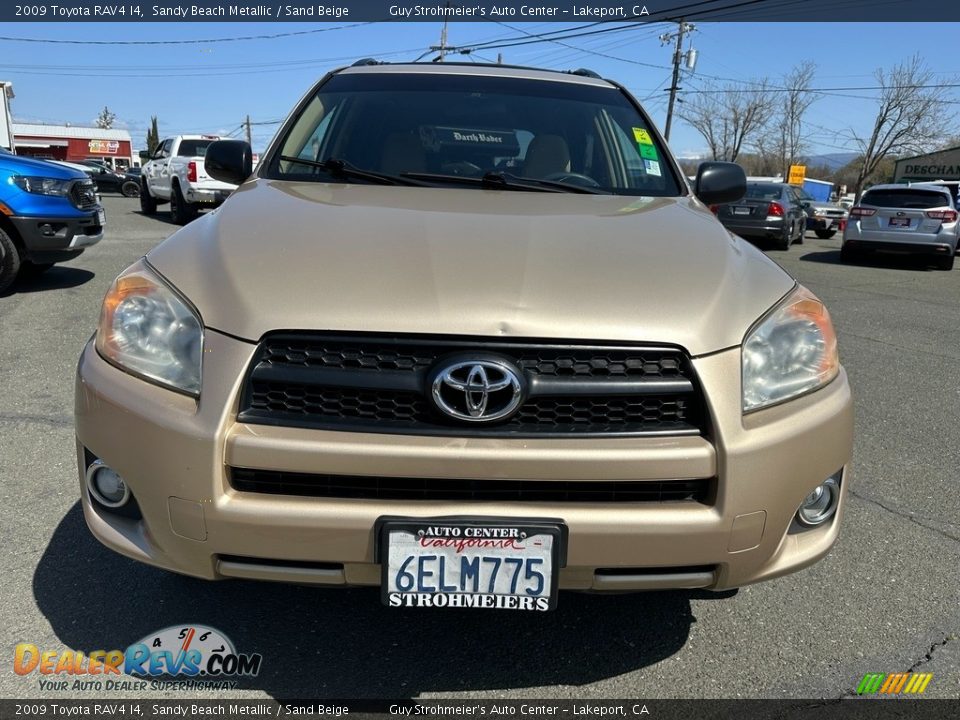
x=178 y=657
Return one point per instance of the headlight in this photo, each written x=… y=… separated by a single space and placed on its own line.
x=790 y=352
x=147 y=329
x=42 y=185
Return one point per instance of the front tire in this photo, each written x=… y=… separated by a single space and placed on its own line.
x=148 y=203
x=181 y=211
x=130 y=189
x=9 y=261
x=825 y=234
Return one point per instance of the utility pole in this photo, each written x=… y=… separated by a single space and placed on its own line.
x=249 y=134
x=442 y=47
x=682 y=28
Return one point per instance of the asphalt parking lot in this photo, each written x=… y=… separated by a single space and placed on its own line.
x=887 y=598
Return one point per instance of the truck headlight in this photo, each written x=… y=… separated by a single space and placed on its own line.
x=147 y=329
x=792 y=351
x=42 y=185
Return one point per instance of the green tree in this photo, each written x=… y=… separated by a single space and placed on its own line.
x=153 y=135
x=106 y=118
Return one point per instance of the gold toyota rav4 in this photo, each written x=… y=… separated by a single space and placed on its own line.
x=467 y=334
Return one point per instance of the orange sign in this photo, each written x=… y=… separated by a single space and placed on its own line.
x=104 y=147
x=797 y=174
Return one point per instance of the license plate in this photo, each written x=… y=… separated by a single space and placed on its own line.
x=899 y=222
x=740 y=210
x=101 y=217
x=470 y=563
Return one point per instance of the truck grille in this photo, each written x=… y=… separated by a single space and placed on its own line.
x=83 y=194
x=402 y=488
x=380 y=384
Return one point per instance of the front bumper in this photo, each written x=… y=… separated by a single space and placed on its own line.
x=55 y=239
x=174 y=453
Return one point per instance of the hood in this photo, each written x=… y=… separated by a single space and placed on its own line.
x=20 y=165
x=300 y=256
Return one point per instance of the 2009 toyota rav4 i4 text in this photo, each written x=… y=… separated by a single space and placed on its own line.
x=466 y=335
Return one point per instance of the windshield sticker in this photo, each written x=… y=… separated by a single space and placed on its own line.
x=652 y=167
x=648 y=152
x=642 y=136
x=436 y=137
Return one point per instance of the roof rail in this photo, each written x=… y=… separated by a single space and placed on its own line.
x=585 y=73
x=366 y=61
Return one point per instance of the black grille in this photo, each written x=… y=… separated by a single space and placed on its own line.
x=83 y=194
x=401 y=488
x=379 y=384
x=340 y=354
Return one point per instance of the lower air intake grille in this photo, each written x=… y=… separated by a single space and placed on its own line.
x=401 y=488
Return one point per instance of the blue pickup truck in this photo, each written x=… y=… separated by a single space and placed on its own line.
x=49 y=213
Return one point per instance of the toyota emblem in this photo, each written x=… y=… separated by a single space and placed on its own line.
x=477 y=390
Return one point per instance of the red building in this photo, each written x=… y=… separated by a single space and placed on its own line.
x=74 y=143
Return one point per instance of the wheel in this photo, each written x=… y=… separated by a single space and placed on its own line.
x=801 y=231
x=825 y=234
x=847 y=255
x=945 y=263
x=786 y=236
x=148 y=203
x=9 y=261
x=181 y=211
x=31 y=270
x=130 y=188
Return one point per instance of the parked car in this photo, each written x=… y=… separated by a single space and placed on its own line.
x=824 y=218
x=109 y=181
x=48 y=214
x=384 y=361
x=176 y=174
x=916 y=219
x=768 y=210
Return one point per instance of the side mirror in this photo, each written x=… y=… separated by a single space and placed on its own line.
x=719 y=182
x=229 y=161
x=144 y=155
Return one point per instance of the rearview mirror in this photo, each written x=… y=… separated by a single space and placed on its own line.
x=719 y=182
x=229 y=161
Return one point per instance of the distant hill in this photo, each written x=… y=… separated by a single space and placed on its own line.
x=834 y=161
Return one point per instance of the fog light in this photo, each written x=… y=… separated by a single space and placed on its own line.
x=106 y=486
x=820 y=505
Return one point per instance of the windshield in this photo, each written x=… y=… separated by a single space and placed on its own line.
x=919 y=199
x=193 y=148
x=764 y=191
x=471 y=125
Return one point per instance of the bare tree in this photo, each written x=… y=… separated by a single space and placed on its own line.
x=728 y=117
x=785 y=140
x=911 y=117
x=106 y=118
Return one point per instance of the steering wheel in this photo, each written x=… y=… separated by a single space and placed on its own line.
x=573 y=178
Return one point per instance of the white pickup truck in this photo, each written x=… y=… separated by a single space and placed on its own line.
x=175 y=174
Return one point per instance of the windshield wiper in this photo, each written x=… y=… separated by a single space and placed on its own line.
x=342 y=169
x=506 y=181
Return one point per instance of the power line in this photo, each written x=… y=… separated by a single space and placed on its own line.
x=587 y=51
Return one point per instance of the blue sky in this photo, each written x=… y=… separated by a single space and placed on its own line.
x=211 y=87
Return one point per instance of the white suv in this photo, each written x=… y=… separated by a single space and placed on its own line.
x=915 y=219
